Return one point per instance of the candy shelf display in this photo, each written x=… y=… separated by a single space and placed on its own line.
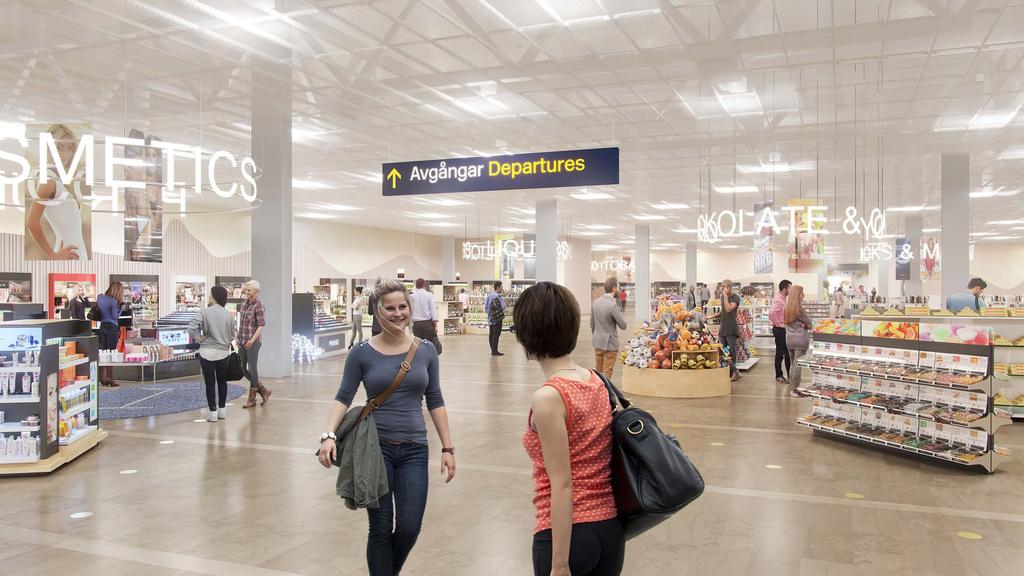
x=476 y=315
x=50 y=413
x=915 y=386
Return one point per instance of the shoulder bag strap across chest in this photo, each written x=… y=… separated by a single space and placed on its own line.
x=375 y=402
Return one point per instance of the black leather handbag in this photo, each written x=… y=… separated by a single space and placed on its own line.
x=651 y=476
x=235 y=370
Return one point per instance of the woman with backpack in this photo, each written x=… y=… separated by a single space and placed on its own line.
x=569 y=440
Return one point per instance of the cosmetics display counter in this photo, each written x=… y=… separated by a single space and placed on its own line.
x=49 y=404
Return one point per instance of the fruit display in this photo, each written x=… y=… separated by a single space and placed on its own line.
x=895 y=329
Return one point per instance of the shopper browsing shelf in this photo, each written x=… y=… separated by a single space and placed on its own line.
x=79 y=302
x=798 y=336
x=729 y=327
x=109 y=304
x=398 y=424
x=970 y=298
x=705 y=296
x=214 y=329
x=778 y=322
x=494 y=304
x=605 y=322
x=424 y=314
x=839 y=303
x=569 y=440
x=252 y=319
x=358 y=309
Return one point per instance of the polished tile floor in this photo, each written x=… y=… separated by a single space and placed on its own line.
x=247 y=497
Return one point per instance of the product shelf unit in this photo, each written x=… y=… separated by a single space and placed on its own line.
x=61 y=408
x=909 y=385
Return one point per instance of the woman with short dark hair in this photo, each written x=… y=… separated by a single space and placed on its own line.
x=569 y=440
x=214 y=328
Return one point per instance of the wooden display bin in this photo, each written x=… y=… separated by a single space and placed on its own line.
x=706 y=383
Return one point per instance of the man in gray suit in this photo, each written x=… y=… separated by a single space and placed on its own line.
x=605 y=321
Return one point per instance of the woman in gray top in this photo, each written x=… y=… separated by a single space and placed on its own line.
x=214 y=328
x=395 y=523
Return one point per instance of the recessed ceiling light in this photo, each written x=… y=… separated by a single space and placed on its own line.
x=314 y=216
x=333 y=207
x=992 y=119
x=921 y=208
x=931 y=230
x=989 y=192
x=604 y=247
x=774 y=167
x=587 y=195
x=998 y=222
x=668 y=205
x=744 y=104
x=429 y=215
x=524 y=220
x=449 y=202
x=590 y=233
x=669 y=244
x=1002 y=237
x=983 y=233
x=685 y=230
x=742 y=189
x=310 y=184
x=441 y=224
x=598 y=226
x=647 y=217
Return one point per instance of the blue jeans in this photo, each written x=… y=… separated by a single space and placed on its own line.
x=730 y=341
x=395 y=524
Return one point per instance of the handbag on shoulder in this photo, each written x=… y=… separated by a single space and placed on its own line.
x=651 y=476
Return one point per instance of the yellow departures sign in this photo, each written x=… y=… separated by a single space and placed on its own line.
x=563 y=168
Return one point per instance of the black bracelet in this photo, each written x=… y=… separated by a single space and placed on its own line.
x=448 y=451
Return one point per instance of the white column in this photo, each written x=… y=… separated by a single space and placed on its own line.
x=914 y=224
x=691 y=265
x=547 y=236
x=956 y=216
x=642 y=257
x=272 y=222
x=448 y=259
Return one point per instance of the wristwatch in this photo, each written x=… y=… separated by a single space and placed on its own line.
x=327 y=435
x=448 y=450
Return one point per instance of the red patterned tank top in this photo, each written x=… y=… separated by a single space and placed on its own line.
x=588 y=421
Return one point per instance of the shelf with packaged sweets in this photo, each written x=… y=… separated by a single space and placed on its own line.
x=934 y=441
x=915 y=375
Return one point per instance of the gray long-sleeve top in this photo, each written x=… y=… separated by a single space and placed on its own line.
x=400 y=418
x=214 y=328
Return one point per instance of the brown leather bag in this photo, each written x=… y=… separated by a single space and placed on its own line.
x=375 y=402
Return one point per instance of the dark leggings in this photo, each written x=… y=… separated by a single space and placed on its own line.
x=596 y=549
x=215 y=374
x=250 y=362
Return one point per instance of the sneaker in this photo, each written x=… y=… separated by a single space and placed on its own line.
x=497 y=353
x=221 y=413
x=795 y=394
x=212 y=416
x=780 y=379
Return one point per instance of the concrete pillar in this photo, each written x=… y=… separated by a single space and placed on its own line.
x=690 y=270
x=956 y=218
x=914 y=224
x=448 y=259
x=642 y=257
x=272 y=222
x=547 y=236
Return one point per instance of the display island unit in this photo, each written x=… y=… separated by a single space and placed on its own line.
x=49 y=402
x=676 y=357
x=915 y=385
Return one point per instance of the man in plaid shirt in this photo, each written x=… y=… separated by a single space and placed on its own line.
x=250 y=326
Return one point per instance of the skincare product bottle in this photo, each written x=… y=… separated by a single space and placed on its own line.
x=35 y=385
x=26 y=384
x=3 y=445
x=19 y=447
x=38 y=446
x=11 y=446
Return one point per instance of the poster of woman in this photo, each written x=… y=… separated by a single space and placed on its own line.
x=143 y=207
x=58 y=217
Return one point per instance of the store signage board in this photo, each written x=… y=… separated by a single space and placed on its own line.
x=510 y=248
x=559 y=169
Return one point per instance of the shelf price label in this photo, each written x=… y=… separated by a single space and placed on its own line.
x=926 y=359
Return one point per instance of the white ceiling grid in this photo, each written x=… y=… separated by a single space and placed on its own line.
x=691 y=90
